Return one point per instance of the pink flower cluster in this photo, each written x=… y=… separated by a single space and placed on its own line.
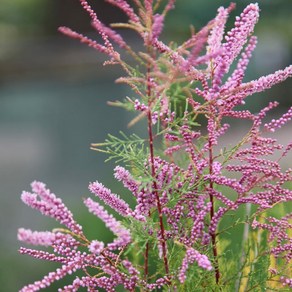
x=48 y=204
x=191 y=256
x=67 y=243
x=279 y=238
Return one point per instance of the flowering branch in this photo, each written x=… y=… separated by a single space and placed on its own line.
x=185 y=181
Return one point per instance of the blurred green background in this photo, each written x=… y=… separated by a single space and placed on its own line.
x=53 y=94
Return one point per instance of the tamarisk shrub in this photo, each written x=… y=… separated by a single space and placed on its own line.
x=175 y=238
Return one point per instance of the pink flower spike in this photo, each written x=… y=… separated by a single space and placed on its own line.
x=169 y=6
x=145 y=17
x=43 y=255
x=287 y=149
x=216 y=36
x=53 y=276
x=44 y=238
x=276 y=124
x=236 y=78
x=85 y=281
x=126 y=8
x=191 y=256
x=40 y=189
x=91 y=43
x=265 y=82
x=123 y=234
x=112 y=200
x=110 y=33
x=237 y=37
x=123 y=175
x=50 y=205
x=157 y=26
x=197 y=43
x=88 y=8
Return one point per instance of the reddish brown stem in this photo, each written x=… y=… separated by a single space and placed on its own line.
x=213 y=235
x=159 y=209
x=153 y=174
x=146 y=259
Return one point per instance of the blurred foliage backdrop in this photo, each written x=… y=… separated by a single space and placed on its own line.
x=53 y=94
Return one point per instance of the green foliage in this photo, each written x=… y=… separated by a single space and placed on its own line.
x=130 y=150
